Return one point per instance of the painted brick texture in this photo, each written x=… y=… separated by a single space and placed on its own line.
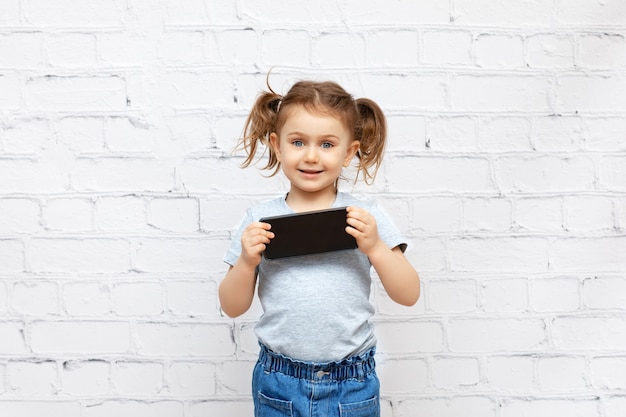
x=119 y=191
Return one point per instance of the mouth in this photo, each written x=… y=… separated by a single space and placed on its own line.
x=310 y=172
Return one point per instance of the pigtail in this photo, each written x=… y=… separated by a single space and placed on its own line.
x=371 y=132
x=259 y=125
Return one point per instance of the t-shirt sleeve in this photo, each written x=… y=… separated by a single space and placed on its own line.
x=387 y=230
x=234 y=250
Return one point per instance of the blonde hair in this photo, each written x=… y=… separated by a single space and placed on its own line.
x=363 y=118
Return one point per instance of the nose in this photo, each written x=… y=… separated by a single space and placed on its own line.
x=311 y=154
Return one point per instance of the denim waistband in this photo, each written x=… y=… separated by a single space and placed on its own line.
x=355 y=367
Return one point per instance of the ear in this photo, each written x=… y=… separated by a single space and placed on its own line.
x=275 y=143
x=352 y=150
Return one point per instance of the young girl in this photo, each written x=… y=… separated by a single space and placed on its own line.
x=317 y=344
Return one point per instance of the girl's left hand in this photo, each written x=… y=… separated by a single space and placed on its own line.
x=362 y=226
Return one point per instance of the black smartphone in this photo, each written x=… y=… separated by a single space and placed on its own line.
x=307 y=233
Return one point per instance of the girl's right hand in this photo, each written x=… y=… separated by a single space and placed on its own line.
x=253 y=241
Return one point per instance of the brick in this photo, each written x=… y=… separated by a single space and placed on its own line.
x=518 y=93
x=122 y=174
x=174 y=214
x=191 y=299
x=539 y=214
x=436 y=214
x=589 y=213
x=10 y=13
x=80 y=134
x=402 y=376
x=178 y=255
x=158 y=339
x=227 y=407
x=79 y=337
x=487 y=214
x=19 y=215
x=601 y=50
x=124 y=49
x=324 y=12
x=608 y=373
x=339 y=50
x=452 y=134
x=550 y=51
x=71 y=50
x=498 y=253
x=504 y=134
x=573 y=93
x=36 y=408
x=137 y=378
x=460 y=296
x=11 y=87
x=451 y=373
x=26 y=136
x=85 y=378
x=12 y=255
x=496 y=335
x=33 y=379
x=453 y=174
x=548 y=407
x=427 y=254
x=588 y=254
x=90 y=13
x=79 y=255
x=12 y=338
x=405 y=337
x=504 y=295
x=406 y=133
x=604 y=134
x=542 y=293
x=511 y=374
x=613 y=173
x=191 y=379
x=192 y=132
x=68 y=214
x=396 y=13
x=589 y=333
x=191 y=12
x=379 y=54
x=36 y=298
x=186 y=89
x=447 y=48
x=121 y=213
x=416 y=92
x=75 y=93
x=235 y=47
x=21 y=50
x=614 y=406
x=171 y=53
x=86 y=299
x=556 y=133
x=4 y=300
x=499 y=50
x=222 y=215
x=589 y=12
x=125 y=134
x=138 y=299
x=561 y=374
x=133 y=408
x=235 y=376
x=545 y=174
x=468 y=406
x=487 y=13
x=604 y=293
x=286 y=47
x=27 y=176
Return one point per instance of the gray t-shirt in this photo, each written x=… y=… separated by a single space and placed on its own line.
x=316 y=307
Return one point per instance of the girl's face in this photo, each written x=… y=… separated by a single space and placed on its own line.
x=312 y=149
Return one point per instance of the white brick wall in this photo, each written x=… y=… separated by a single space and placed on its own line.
x=506 y=170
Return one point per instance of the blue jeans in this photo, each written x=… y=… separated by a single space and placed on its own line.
x=283 y=387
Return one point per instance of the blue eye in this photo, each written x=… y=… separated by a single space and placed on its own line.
x=327 y=145
x=297 y=143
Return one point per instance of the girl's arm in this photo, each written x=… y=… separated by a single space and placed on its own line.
x=236 y=290
x=397 y=275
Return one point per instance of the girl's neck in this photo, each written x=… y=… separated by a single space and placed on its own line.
x=301 y=202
